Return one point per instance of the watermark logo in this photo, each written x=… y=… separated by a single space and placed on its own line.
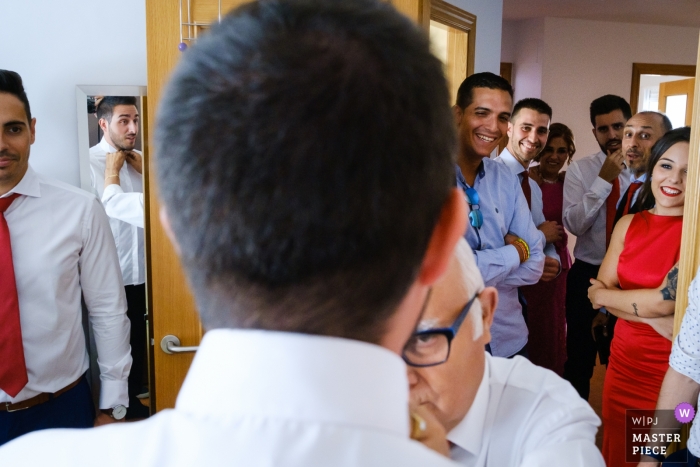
x=684 y=412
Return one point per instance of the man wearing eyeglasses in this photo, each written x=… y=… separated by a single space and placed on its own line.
x=497 y=412
x=507 y=245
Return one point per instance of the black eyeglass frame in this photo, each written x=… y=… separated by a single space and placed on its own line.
x=449 y=334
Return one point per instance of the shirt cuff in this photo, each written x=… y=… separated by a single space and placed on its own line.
x=114 y=393
x=111 y=190
x=601 y=188
x=511 y=257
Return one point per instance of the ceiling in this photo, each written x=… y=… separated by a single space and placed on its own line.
x=668 y=12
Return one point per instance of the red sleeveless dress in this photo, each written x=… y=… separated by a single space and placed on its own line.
x=638 y=354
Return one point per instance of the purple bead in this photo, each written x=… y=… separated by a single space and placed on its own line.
x=182 y=46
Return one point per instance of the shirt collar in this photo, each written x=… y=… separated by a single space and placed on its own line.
x=105 y=146
x=28 y=186
x=470 y=431
x=641 y=179
x=481 y=172
x=511 y=162
x=299 y=377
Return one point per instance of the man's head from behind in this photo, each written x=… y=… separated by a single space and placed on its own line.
x=17 y=126
x=609 y=114
x=449 y=388
x=482 y=113
x=304 y=155
x=119 y=120
x=528 y=129
x=641 y=132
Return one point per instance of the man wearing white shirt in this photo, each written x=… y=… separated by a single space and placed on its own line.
x=311 y=227
x=56 y=248
x=592 y=188
x=498 y=412
x=527 y=136
x=115 y=172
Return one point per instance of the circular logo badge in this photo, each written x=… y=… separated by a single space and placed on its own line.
x=684 y=412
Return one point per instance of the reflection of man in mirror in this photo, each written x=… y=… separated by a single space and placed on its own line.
x=55 y=248
x=115 y=170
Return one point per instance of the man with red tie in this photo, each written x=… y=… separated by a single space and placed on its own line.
x=592 y=189
x=55 y=248
x=641 y=132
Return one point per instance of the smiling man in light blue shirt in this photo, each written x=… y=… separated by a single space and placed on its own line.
x=507 y=245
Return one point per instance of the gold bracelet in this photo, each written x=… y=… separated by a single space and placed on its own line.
x=112 y=176
x=521 y=251
x=525 y=246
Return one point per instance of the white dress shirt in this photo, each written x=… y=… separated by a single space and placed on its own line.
x=685 y=353
x=525 y=415
x=124 y=206
x=61 y=249
x=536 y=204
x=259 y=398
x=585 y=196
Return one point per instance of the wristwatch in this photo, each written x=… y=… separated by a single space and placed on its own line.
x=118 y=412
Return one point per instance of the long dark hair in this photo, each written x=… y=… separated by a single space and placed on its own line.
x=679 y=135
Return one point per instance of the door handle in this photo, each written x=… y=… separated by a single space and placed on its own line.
x=171 y=345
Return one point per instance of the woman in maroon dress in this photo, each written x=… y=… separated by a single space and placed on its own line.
x=637 y=283
x=546 y=314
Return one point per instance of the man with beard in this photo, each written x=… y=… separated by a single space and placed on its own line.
x=506 y=243
x=592 y=189
x=527 y=136
x=115 y=169
x=55 y=249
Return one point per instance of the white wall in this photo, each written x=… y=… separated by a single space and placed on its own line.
x=584 y=60
x=523 y=44
x=55 y=46
x=489 y=21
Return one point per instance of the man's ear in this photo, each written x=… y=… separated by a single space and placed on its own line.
x=510 y=130
x=458 y=114
x=165 y=222
x=450 y=228
x=32 y=130
x=104 y=124
x=594 y=135
x=489 y=301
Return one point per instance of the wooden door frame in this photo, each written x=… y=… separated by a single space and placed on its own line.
x=639 y=69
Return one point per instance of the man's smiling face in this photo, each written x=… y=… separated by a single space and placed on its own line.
x=484 y=122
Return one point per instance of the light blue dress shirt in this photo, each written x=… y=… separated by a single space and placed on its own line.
x=504 y=210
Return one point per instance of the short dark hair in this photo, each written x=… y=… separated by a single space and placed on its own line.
x=532 y=103
x=666 y=124
x=480 y=80
x=106 y=105
x=315 y=142
x=11 y=83
x=559 y=130
x=609 y=103
x=646 y=199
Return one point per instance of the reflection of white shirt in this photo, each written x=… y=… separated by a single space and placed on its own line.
x=62 y=249
x=124 y=206
x=685 y=354
x=525 y=415
x=259 y=398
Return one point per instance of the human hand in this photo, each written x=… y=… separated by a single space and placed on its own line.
x=596 y=285
x=104 y=419
x=509 y=239
x=663 y=325
x=135 y=160
x=427 y=430
x=552 y=231
x=601 y=319
x=551 y=269
x=114 y=161
x=612 y=166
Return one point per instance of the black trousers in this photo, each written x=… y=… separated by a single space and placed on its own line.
x=580 y=347
x=136 y=312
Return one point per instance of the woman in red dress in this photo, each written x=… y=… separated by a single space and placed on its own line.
x=637 y=283
x=546 y=300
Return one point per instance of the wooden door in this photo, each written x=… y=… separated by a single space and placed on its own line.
x=171 y=304
x=684 y=89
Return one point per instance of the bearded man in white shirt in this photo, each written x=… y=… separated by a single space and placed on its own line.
x=55 y=248
x=304 y=154
x=498 y=412
x=115 y=173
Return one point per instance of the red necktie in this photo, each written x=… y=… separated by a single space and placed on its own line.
x=611 y=204
x=634 y=186
x=13 y=371
x=525 y=185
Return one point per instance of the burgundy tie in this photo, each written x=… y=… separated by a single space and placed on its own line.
x=527 y=191
x=634 y=186
x=13 y=371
